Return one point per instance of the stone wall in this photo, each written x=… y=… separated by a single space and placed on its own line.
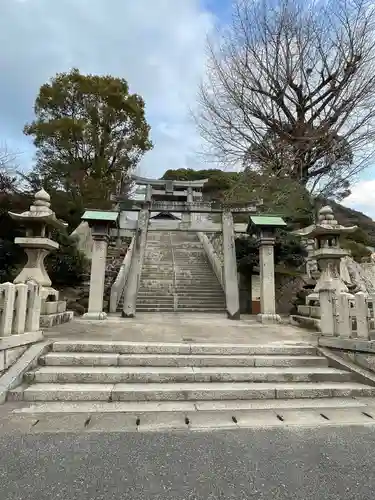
x=286 y=289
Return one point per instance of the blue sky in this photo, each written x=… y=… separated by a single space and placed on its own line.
x=157 y=45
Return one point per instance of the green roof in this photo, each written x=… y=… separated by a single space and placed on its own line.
x=267 y=220
x=102 y=215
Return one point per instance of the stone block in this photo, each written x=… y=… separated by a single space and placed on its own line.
x=80 y=359
x=60 y=423
x=201 y=420
x=303 y=417
x=61 y=306
x=161 y=421
x=291 y=391
x=112 y=422
x=50 y=320
x=49 y=308
x=67 y=392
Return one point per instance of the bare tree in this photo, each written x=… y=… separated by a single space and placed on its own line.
x=8 y=174
x=290 y=91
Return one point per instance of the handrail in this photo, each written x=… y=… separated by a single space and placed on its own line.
x=174 y=282
x=212 y=257
x=119 y=284
x=130 y=297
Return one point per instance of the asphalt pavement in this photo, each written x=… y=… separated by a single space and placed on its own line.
x=332 y=463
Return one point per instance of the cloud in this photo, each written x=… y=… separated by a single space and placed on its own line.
x=157 y=45
x=363 y=198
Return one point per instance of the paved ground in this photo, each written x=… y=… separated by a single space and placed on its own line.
x=160 y=327
x=280 y=464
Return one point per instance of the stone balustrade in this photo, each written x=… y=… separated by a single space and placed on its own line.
x=216 y=240
x=347 y=316
x=20 y=308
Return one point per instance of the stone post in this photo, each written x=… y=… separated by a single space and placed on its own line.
x=327 y=311
x=186 y=217
x=361 y=308
x=7 y=298
x=33 y=306
x=97 y=278
x=230 y=267
x=131 y=291
x=267 y=281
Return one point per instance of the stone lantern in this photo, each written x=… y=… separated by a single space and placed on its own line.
x=327 y=252
x=264 y=228
x=101 y=223
x=38 y=221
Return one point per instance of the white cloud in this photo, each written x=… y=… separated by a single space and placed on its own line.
x=363 y=198
x=157 y=45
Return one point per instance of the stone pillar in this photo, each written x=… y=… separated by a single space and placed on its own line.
x=267 y=282
x=230 y=267
x=186 y=217
x=97 y=277
x=131 y=290
x=148 y=196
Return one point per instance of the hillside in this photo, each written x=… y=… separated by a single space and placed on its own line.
x=349 y=217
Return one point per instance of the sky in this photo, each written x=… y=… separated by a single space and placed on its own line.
x=157 y=45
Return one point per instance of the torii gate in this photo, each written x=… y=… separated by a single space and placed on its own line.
x=182 y=197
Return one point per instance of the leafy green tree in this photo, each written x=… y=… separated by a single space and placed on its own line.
x=90 y=132
x=289 y=252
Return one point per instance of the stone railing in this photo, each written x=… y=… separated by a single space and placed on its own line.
x=20 y=307
x=346 y=315
x=119 y=284
x=309 y=311
x=216 y=240
x=213 y=254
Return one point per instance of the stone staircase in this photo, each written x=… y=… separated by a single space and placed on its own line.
x=173 y=376
x=176 y=276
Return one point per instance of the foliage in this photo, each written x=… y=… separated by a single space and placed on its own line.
x=358 y=251
x=283 y=196
x=89 y=133
x=289 y=251
x=290 y=91
x=67 y=266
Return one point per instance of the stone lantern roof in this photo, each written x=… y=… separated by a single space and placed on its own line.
x=326 y=225
x=39 y=211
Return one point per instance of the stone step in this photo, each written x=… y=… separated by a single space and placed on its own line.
x=205 y=309
x=123 y=347
x=193 y=391
x=156 y=300
x=178 y=270
x=216 y=293
x=155 y=308
x=172 y=375
x=204 y=304
x=144 y=407
x=112 y=359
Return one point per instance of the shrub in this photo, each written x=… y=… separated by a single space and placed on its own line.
x=67 y=266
